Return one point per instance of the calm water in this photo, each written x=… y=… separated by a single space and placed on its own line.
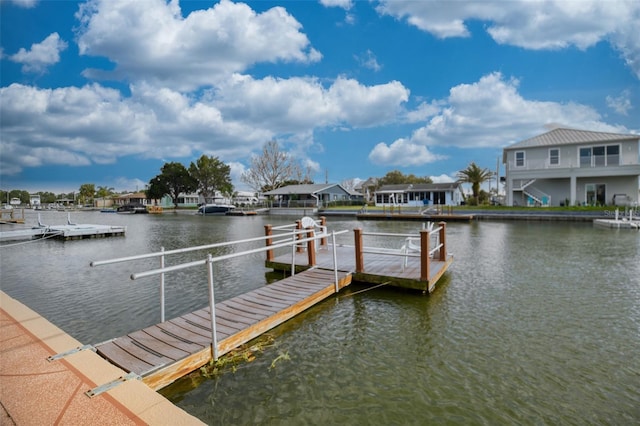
x=536 y=323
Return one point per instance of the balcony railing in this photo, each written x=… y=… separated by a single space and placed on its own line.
x=592 y=161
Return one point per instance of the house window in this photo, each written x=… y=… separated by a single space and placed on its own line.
x=520 y=159
x=585 y=157
x=600 y=156
x=554 y=156
x=613 y=155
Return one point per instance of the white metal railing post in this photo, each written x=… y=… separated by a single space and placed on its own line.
x=162 y=285
x=212 y=309
x=294 y=248
x=335 y=260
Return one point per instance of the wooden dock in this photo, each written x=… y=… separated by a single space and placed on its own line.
x=9 y=216
x=378 y=268
x=167 y=351
x=416 y=265
x=164 y=352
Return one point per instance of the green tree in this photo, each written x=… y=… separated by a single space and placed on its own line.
x=86 y=193
x=173 y=180
x=47 y=197
x=396 y=177
x=104 y=191
x=212 y=175
x=475 y=176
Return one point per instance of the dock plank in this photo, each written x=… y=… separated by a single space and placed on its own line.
x=233 y=315
x=173 y=348
x=253 y=310
x=256 y=304
x=176 y=340
x=154 y=345
x=267 y=300
x=186 y=331
x=192 y=332
x=122 y=358
x=275 y=294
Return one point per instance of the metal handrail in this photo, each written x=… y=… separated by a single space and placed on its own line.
x=185 y=250
x=228 y=256
x=404 y=251
x=209 y=261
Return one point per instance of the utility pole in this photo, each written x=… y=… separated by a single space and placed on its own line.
x=498 y=176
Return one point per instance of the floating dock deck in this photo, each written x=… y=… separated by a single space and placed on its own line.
x=618 y=223
x=167 y=351
x=416 y=216
x=65 y=232
x=378 y=268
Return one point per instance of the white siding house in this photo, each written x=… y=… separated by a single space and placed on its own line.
x=419 y=195
x=573 y=167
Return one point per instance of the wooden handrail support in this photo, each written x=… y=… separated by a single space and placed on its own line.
x=443 y=241
x=359 y=255
x=268 y=231
x=425 y=259
x=299 y=249
x=311 y=247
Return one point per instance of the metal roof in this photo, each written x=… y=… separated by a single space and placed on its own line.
x=303 y=189
x=563 y=136
x=419 y=187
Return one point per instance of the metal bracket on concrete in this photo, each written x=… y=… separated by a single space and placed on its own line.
x=110 y=385
x=70 y=352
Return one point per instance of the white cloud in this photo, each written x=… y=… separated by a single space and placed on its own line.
x=369 y=60
x=94 y=124
x=127 y=184
x=41 y=55
x=237 y=169
x=443 y=179
x=402 y=152
x=27 y=4
x=150 y=40
x=422 y=112
x=345 y=4
x=484 y=114
x=620 y=104
x=491 y=113
x=552 y=24
x=299 y=104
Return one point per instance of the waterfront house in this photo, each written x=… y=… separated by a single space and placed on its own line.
x=573 y=167
x=310 y=195
x=367 y=188
x=133 y=198
x=34 y=201
x=190 y=200
x=419 y=195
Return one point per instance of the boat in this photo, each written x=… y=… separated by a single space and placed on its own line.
x=132 y=208
x=215 y=208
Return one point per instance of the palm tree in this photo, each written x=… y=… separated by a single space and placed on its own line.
x=475 y=176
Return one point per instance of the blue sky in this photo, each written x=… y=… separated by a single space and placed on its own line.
x=105 y=92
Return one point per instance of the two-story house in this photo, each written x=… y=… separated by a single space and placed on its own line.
x=573 y=167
